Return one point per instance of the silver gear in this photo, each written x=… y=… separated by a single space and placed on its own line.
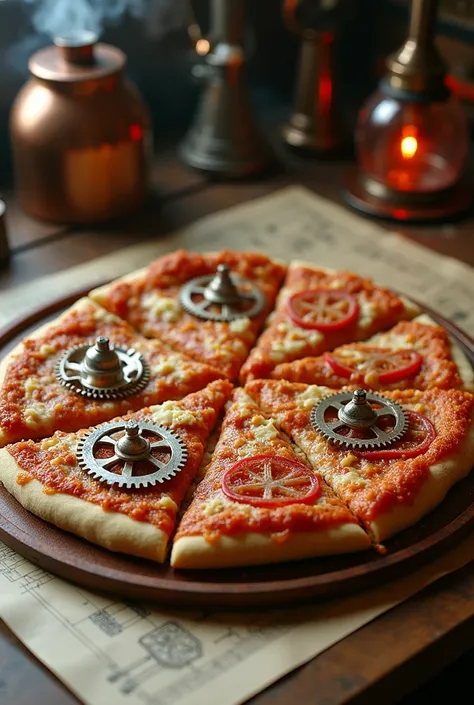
x=235 y=296
x=135 y=373
x=131 y=447
x=346 y=403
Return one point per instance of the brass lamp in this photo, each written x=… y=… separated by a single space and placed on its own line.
x=412 y=135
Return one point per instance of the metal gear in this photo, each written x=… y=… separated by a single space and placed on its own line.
x=235 y=296
x=128 y=448
x=102 y=371
x=359 y=411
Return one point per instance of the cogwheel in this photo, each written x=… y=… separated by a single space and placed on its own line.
x=362 y=412
x=76 y=371
x=234 y=296
x=129 y=446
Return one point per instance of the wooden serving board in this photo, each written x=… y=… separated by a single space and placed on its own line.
x=95 y=568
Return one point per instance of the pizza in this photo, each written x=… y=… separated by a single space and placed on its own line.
x=259 y=501
x=353 y=420
x=149 y=300
x=415 y=354
x=389 y=488
x=34 y=403
x=319 y=309
x=46 y=477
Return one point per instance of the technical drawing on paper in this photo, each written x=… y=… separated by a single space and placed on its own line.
x=152 y=654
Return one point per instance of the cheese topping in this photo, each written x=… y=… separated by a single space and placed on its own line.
x=169 y=414
x=161 y=307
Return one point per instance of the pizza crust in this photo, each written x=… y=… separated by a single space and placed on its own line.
x=442 y=477
x=460 y=359
x=114 y=531
x=258 y=549
x=83 y=303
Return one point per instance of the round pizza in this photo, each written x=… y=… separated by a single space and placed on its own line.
x=224 y=409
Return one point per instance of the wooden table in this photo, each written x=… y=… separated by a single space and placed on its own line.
x=391 y=656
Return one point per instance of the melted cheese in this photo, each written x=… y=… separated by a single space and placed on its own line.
x=240 y=325
x=163 y=307
x=174 y=367
x=169 y=414
x=294 y=340
x=311 y=396
x=37 y=415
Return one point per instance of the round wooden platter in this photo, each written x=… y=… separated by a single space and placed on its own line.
x=97 y=569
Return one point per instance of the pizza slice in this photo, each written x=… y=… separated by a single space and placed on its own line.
x=319 y=309
x=34 y=401
x=220 y=334
x=414 y=354
x=260 y=502
x=97 y=482
x=388 y=488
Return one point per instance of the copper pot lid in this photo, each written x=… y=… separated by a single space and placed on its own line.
x=75 y=58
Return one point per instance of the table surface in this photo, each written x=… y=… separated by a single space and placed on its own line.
x=401 y=654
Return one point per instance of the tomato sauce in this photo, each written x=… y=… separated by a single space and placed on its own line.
x=238 y=439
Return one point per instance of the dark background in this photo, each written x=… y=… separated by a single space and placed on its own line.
x=161 y=66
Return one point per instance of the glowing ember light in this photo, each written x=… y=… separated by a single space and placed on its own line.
x=202 y=47
x=409 y=143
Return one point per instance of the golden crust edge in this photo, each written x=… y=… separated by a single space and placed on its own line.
x=111 y=530
x=443 y=476
x=99 y=293
x=41 y=330
x=37 y=333
x=258 y=549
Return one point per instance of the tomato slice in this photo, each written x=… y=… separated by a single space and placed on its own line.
x=270 y=481
x=323 y=309
x=389 y=365
x=417 y=440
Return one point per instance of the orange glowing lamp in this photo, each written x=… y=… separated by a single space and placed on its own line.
x=409 y=143
x=412 y=135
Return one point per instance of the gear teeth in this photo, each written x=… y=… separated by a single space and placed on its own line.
x=187 y=303
x=336 y=400
x=75 y=385
x=87 y=460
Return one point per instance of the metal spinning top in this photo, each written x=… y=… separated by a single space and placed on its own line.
x=359 y=420
x=101 y=371
x=130 y=448
x=223 y=296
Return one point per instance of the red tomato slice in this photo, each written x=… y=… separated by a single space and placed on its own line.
x=391 y=366
x=270 y=481
x=323 y=309
x=417 y=440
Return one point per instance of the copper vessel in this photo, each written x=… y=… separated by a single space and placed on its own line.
x=80 y=134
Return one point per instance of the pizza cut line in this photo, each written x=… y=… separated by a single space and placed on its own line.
x=260 y=501
x=33 y=400
x=415 y=354
x=56 y=479
x=319 y=309
x=354 y=422
x=152 y=301
x=388 y=487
